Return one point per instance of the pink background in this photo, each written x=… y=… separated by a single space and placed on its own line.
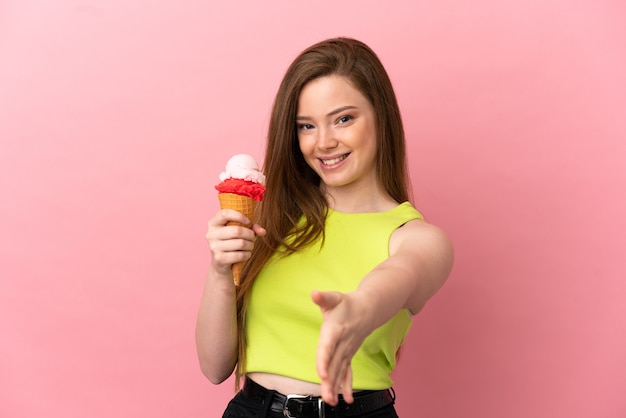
x=117 y=116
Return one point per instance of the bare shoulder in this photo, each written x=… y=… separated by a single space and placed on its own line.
x=422 y=239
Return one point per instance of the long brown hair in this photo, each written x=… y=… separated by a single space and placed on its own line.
x=293 y=191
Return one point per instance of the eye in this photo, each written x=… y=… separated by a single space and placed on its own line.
x=344 y=119
x=305 y=127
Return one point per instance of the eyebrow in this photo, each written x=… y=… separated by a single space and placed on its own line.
x=331 y=113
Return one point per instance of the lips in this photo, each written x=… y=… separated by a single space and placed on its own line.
x=333 y=161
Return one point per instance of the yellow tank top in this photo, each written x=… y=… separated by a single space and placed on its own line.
x=283 y=323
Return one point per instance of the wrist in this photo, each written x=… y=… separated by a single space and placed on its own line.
x=220 y=278
x=365 y=307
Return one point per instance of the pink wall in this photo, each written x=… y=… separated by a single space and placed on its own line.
x=115 y=118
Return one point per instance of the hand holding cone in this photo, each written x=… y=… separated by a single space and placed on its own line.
x=241 y=188
x=245 y=205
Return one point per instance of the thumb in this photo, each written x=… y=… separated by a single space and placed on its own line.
x=326 y=300
x=259 y=230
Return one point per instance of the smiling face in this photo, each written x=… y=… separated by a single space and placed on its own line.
x=337 y=135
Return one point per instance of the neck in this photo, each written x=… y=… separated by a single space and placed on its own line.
x=358 y=201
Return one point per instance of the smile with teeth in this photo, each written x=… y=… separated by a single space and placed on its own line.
x=334 y=160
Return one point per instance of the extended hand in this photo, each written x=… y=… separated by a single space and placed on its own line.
x=342 y=333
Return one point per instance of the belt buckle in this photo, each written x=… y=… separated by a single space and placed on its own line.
x=320 y=405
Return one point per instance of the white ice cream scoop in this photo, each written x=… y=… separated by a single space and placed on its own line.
x=244 y=167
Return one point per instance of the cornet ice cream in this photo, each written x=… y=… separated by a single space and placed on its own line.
x=242 y=186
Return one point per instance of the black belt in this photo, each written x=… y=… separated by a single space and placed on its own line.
x=301 y=406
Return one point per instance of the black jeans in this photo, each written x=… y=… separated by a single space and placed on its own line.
x=242 y=407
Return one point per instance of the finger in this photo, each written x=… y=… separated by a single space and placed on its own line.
x=330 y=367
x=326 y=300
x=346 y=386
x=225 y=260
x=337 y=369
x=224 y=216
x=220 y=229
x=330 y=333
x=226 y=251
x=325 y=349
x=236 y=232
x=331 y=388
x=232 y=244
x=329 y=396
x=334 y=382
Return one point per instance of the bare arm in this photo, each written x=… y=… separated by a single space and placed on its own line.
x=216 y=326
x=419 y=263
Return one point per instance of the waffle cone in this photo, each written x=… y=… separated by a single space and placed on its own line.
x=245 y=205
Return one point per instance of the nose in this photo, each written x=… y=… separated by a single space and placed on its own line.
x=326 y=139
